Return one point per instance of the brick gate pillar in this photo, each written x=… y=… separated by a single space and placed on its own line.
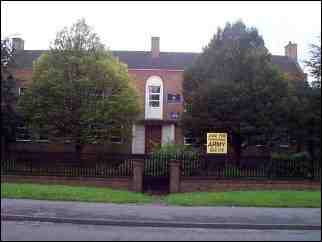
x=175 y=172
x=137 y=180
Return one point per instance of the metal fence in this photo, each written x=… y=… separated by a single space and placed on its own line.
x=250 y=167
x=119 y=165
x=64 y=164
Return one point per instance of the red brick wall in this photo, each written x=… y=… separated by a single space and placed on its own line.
x=194 y=184
x=61 y=147
x=172 y=82
x=23 y=76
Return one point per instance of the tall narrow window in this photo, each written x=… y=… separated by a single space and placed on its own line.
x=153 y=98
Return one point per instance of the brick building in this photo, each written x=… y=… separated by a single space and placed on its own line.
x=158 y=78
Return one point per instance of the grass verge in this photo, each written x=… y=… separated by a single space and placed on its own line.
x=71 y=193
x=303 y=199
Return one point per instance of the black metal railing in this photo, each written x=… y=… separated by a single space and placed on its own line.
x=64 y=164
x=250 y=167
x=156 y=165
x=121 y=165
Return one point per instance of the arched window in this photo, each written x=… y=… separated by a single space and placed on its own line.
x=153 y=98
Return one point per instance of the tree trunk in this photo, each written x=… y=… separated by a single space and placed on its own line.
x=311 y=147
x=299 y=145
x=78 y=153
x=237 y=143
x=3 y=148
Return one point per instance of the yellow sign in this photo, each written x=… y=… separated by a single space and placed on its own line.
x=217 y=143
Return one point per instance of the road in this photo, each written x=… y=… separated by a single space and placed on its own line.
x=36 y=231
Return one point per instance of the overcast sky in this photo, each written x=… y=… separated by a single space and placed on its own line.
x=181 y=26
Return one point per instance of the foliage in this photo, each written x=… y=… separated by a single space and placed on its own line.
x=234 y=87
x=79 y=90
x=301 y=156
x=9 y=97
x=314 y=63
x=303 y=116
x=174 y=151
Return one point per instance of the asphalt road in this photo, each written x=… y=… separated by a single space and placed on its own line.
x=158 y=213
x=37 y=231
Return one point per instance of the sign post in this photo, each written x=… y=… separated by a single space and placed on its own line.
x=216 y=143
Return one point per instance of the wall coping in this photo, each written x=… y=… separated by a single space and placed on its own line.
x=3 y=177
x=202 y=178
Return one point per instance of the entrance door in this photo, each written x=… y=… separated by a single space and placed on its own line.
x=152 y=137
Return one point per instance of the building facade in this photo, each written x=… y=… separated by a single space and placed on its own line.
x=158 y=78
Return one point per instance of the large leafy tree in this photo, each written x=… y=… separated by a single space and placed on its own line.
x=9 y=96
x=313 y=113
x=314 y=63
x=304 y=107
x=79 y=91
x=234 y=87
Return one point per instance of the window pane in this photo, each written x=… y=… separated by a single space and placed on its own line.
x=22 y=90
x=23 y=134
x=116 y=134
x=155 y=97
x=154 y=89
x=154 y=103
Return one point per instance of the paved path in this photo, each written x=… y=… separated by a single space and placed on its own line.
x=35 y=231
x=158 y=214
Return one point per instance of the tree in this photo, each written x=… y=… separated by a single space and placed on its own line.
x=314 y=63
x=8 y=92
x=79 y=91
x=234 y=87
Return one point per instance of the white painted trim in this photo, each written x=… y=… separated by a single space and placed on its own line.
x=133 y=138
x=19 y=90
x=138 y=139
x=153 y=112
x=168 y=134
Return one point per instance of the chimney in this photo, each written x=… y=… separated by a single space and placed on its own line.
x=155 y=47
x=18 y=44
x=291 y=50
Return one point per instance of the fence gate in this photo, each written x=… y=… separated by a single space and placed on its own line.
x=156 y=174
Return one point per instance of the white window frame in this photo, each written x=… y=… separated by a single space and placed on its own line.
x=185 y=141
x=150 y=111
x=116 y=142
x=20 y=92
x=23 y=140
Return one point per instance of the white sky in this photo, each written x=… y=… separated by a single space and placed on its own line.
x=181 y=26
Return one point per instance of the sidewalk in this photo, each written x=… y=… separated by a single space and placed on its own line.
x=161 y=216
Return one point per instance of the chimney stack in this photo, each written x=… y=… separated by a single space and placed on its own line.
x=18 y=43
x=291 y=50
x=155 y=47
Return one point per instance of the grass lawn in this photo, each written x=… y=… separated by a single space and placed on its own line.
x=309 y=199
x=71 y=193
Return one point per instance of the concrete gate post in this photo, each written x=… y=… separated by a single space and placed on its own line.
x=137 y=180
x=175 y=172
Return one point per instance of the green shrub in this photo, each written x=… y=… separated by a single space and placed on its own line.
x=173 y=151
x=301 y=156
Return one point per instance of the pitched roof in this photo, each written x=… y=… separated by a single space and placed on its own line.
x=166 y=60
x=286 y=64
